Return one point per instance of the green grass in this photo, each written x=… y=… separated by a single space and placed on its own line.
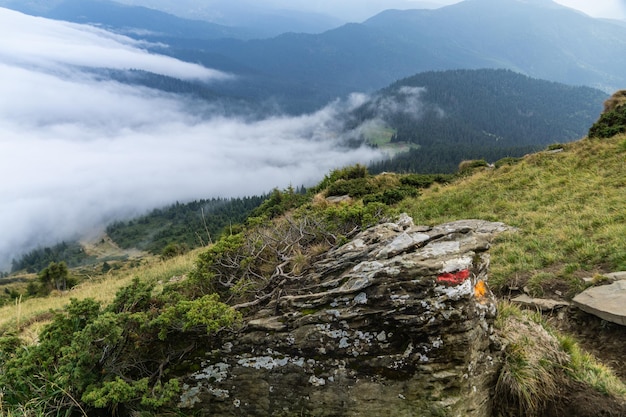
x=379 y=135
x=530 y=376
x=568 y=208
x=585 y=368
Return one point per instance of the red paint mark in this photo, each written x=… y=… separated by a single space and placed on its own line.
x=455 y=278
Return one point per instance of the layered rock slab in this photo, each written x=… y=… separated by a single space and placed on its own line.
x=606 y=301
x=397 y=322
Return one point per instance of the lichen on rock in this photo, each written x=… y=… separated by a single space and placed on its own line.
x=396 y=322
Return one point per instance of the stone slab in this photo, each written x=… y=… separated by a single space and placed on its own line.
x=607 y=301
x=543 y=304
x=616 y=276
x=612 y=277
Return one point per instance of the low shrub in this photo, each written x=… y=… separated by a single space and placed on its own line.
x=468 y=166
x=115 y=358
x=610 y=123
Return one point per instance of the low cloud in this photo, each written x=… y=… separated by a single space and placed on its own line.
x=407 y=100
x=77 y=151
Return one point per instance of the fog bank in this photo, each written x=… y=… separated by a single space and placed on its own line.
x=78 y=151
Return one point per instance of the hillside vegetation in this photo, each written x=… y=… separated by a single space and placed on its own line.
x=116 y=343
x=568 y=207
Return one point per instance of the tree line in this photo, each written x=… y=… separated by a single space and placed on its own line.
x=184 y=225
x=188 y=225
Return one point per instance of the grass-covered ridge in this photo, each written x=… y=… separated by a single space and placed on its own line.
x=568 y=207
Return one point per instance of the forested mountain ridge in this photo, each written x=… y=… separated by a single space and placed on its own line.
x=450 y=116
x=543 y=40
x=185 y=226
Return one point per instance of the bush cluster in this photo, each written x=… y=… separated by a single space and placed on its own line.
x=254 y=262
x=611 y=123
x=113 y=358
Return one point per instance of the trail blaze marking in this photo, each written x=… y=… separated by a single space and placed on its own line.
x=455 y=278
x=480 y=290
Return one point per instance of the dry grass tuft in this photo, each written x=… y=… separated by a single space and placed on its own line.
x=539 y=365
x=532 y=372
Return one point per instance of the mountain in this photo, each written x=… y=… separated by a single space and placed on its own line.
x=270 y=22
x=265 y=19
x=539 y=38
x=446 y=117
x=311 y=17
x=217 y=20
x=302 y=72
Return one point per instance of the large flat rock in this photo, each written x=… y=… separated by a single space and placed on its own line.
x=607 y=301
x=616 y=276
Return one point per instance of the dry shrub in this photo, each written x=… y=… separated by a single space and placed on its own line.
x=617 y=99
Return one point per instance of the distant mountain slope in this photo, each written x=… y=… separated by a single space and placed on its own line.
x=267 y=19
x=469 y=114
x=302 y=72
x=184 y=226
x=541 y=39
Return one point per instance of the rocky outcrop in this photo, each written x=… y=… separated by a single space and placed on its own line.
x=397 y=322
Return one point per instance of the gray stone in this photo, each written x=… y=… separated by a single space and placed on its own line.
x=396 y=322
x=616 y=276
x=338 y=198
x=606 y=301
x=543 y=304
x=611 y=277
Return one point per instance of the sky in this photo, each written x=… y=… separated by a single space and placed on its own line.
x=612 y=9
x=77 y=151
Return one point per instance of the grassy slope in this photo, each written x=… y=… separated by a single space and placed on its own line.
x=568 y=207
